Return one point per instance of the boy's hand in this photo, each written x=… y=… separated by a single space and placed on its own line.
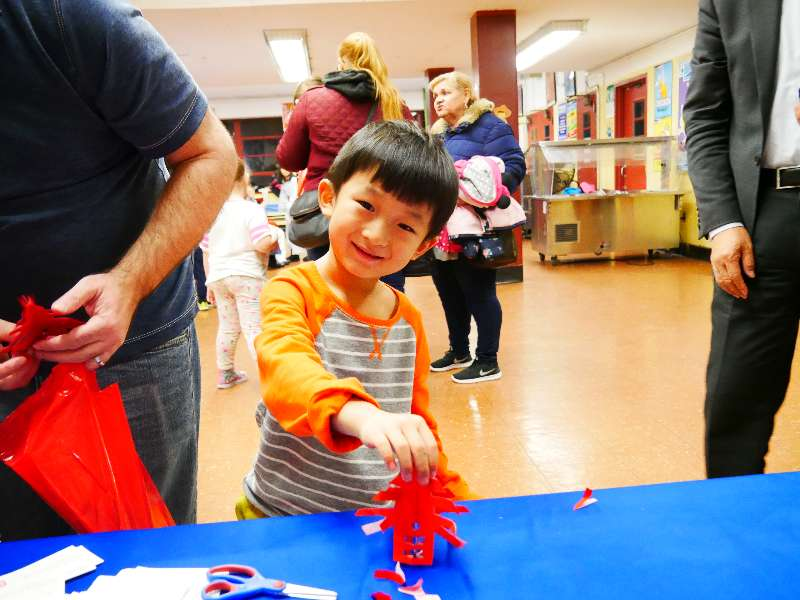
x=404 y=436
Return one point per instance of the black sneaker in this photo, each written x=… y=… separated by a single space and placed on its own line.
x=451 y=361
x=480 y=370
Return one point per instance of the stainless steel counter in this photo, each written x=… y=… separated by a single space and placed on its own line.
x=608 y=225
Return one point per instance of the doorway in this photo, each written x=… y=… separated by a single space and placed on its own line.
x=541 y=126
x=631 y=121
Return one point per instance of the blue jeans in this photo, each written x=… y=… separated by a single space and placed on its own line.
x=161 y=392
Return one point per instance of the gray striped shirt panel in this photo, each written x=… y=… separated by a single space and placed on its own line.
x=294 y=475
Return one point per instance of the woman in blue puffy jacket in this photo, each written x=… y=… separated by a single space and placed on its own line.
x=469 y=128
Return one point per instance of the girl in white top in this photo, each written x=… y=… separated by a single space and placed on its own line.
x=235 y=251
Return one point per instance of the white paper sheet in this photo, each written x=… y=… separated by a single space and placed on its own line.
x=45 y=578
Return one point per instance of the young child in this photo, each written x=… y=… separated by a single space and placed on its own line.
x=343 y=357
x=234 y=255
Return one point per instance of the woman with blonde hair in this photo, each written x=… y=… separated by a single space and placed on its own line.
x=326 y=117
x=470 y=128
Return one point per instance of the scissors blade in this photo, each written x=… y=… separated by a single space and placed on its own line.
x=309 y=593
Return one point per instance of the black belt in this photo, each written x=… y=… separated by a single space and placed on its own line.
x=785 y=178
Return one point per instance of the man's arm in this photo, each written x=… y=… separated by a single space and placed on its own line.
x=202 y=177
x=708 y=113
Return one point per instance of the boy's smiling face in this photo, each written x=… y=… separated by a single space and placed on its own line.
x=373 y=233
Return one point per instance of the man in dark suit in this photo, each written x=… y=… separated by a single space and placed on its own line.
x=744 y=162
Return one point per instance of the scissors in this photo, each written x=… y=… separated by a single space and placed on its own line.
x=237 y=582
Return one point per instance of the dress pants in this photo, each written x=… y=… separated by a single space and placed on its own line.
x=752 y=343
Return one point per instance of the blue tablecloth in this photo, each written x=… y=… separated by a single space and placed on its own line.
x=726 y=538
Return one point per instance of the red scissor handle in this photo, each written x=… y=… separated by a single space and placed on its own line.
x=221 y=587
x=234 y=570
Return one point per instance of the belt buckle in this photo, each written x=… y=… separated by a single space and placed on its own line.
x=779 y=185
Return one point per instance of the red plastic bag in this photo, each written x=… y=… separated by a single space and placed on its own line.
x=71 y=442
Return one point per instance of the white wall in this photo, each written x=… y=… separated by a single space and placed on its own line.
x=644 y=58
x=534 y=93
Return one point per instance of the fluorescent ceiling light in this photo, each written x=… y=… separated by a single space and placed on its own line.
x=290 y=53
x=547 y=40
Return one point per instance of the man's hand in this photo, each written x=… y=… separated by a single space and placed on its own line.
x=797 y=112
x=405 y=436
x=15 y=372
x=732 y=253
x=110 y=303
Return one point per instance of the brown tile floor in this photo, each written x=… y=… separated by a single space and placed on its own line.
x=603 y=386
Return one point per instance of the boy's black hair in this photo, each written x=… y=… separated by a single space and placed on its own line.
x=408 y=162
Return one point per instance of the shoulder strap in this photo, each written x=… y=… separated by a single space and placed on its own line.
x=372 y=110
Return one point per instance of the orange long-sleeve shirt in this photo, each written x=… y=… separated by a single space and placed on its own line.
x=315 y=354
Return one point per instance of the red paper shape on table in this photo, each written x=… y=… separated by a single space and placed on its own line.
x=585 y=500
x=390 y=575
x=416 y=518
x=71 y=442
x=37 y=323
x=381 y=596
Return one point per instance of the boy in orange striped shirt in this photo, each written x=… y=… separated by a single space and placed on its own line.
x=343 y=357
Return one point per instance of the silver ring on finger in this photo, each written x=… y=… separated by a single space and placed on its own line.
x=99 y=361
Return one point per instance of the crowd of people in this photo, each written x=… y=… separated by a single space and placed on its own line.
x=109 y=230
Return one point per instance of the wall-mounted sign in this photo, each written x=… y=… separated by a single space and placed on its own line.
x=572 y=120
x=562 y=121
x=684 y=77
x=662 y=93
x=611 y=92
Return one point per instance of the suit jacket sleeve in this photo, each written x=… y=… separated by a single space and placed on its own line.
x=708 y=112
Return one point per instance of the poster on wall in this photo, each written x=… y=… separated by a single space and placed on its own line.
x=684 y=77
x=663 y=99
x=611 y=92
x=562 y=121
x=572 y=120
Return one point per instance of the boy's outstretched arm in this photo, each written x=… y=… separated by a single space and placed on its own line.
x=299 y=393
x=406 y=436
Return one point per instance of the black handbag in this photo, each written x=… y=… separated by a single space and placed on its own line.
x=307 y=226
x=494 y=249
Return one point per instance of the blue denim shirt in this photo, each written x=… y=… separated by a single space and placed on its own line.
x=92 y=98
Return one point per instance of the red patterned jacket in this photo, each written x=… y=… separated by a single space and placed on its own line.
x=323 y=120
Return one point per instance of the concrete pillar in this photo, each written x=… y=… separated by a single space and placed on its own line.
x=494 y=51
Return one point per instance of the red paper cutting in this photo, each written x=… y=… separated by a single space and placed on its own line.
x=381 y=596
x=585 y=500
x=37 y=323
x=416 y=519
x=390 y=575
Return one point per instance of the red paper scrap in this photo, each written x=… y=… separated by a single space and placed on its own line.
x=416 y=519
x=381 y=596
x=37 y=323
x=390 y=575
x=585 y=500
